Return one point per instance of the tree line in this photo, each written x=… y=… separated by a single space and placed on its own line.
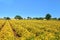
x=47 y=17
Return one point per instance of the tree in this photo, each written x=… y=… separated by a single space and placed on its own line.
x=29 y=18
x=38 y=18
x=18 y=17
x=53 y=18
x=48 y=16
x=7 y=18
x=58 y=18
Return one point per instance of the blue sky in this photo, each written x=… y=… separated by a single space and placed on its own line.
x=32 y=8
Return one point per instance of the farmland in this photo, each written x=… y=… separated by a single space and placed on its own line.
x=29 y=30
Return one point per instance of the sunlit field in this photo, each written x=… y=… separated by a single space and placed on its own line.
x=29 y=30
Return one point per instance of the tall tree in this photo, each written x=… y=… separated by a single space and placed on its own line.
x=48 y=16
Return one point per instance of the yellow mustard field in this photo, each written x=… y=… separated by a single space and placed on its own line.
x=29 y=30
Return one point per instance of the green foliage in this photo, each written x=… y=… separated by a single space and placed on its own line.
x=18 y=17
x=58 y=18
x=48 y=16
x=29 y=18
x=40 y=18
x=7 y=18
x=54 y=18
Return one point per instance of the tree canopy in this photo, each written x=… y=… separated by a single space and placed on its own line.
x=48 y=16
x=18 y=17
